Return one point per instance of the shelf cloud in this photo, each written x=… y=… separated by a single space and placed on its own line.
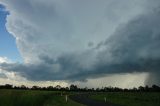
x=75 y=40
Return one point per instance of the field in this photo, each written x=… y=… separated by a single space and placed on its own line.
x=33 y=98
x=54 y=98
x=130 y=99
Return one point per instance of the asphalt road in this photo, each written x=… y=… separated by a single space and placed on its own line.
x=84 y=99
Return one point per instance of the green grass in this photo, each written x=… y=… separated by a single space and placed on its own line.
x=130 y=99
x=53 y=98
x=60 y=101
x=33 y=98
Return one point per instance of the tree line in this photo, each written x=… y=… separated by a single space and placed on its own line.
x=72 y=87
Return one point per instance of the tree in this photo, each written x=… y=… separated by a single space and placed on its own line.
x=155 y=88
x=35 y=87
x=73 y=87
x=141 y=88
x=8 y=86
x=58 y=87
x=50 y=88
x=23 y=87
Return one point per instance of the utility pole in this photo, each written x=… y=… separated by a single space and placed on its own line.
x=66 y=98
x=105 y=99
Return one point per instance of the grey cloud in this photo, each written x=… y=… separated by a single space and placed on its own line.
x=135 y=47
x=57 y=53
x=2 y=75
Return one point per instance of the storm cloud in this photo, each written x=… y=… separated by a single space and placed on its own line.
x=76 y=40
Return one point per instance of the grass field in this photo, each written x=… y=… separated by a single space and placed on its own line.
x=33 y=98
x=130 y=99
x=53 y=98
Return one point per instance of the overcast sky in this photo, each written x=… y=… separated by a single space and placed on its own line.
x=87 y=42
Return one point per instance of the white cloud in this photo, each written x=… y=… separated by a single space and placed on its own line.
x=27 y=83
x=5 y=60
x=8 y=75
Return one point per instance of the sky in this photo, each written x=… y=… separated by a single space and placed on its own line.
x=8 y=45
x=89 y=43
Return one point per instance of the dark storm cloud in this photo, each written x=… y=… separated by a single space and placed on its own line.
x=135 y=43
x=133 y=47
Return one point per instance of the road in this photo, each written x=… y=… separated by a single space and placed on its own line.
x=84 y=99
